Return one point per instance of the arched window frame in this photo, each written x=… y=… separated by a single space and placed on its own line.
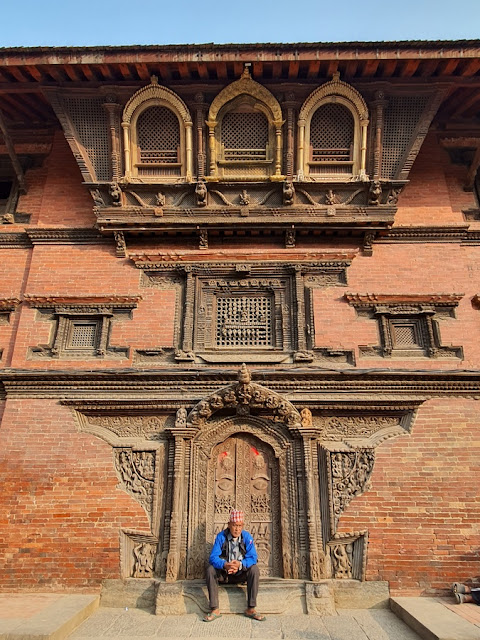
x=155 y=95
x=245 y=90
x=336 y=92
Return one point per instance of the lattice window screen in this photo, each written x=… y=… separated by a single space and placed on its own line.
x=401 y=119
x=405 y=335
x=244 y=321
x=244 y=136
x=158 y=133
x=83 y=335
x=90 y=120
x=331 y=134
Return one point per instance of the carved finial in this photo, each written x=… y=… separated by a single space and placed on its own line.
x=336 y=76
x=244 y=376
x=154 y=79
x=306 y=416
x=246 y=71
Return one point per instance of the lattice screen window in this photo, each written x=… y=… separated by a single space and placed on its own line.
x=244 y=136
x=332 y=131
x=409 y=333
x=83 y=334
x=244 y=321
x=158 y=138
x=401 y=120
x=90 y=121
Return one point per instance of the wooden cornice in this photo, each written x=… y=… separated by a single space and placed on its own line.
x=371 y=299
x=65 y=300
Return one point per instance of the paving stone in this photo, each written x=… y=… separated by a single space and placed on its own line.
x=98 y=623
x=134 y=621
x=227 y=625
x=178 y=626
x=379 y=624
x=344 y=627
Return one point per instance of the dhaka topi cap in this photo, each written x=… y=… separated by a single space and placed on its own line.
x=236 y=517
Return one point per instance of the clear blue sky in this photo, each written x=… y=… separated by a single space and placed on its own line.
x=109 y=22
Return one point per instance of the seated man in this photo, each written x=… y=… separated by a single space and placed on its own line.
x=233 y=560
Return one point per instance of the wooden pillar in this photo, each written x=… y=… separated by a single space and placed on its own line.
x=113 y=110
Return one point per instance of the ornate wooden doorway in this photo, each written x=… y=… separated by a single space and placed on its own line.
x=245 y=476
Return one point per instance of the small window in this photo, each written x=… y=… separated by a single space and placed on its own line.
x=158 y=139
x=408 y=334
x=8 y=196
x=83 y=334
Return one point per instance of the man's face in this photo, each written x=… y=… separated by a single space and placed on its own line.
x=235 y=528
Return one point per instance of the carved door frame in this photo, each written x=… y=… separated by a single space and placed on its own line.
x=201 y=458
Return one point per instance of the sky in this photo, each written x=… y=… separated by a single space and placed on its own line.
x=28 y=23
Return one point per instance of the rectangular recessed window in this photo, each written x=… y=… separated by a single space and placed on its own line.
x=83 y=335
x=407 y=334
x=5 y=192
x=244 y=321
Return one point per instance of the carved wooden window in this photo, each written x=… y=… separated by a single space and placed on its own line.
x=157 y=136
x=331 y=140
x=332 y=133
x=244 y=321
x=408 y=329
x=158 y=140
x=244 y=136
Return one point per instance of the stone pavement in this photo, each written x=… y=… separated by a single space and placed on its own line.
x=350 y=624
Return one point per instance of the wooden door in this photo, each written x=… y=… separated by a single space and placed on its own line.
x=246 y=478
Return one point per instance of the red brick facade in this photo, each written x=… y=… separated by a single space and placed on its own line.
x=65 y=509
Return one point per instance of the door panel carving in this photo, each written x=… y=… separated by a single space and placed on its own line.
x=245 y=476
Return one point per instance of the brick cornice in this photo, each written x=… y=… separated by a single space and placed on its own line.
x=53 y=301
x=322 y=388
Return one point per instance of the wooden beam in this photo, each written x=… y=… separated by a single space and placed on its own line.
x=221 y=69
x=448 y=67
x=471 y=68
x=105 y=71
x=20 y=108
x=467 y=104
x=277 y=70
x=370 y=67
x=238 y=69
x=71 y=72
x=17 y=74
x=56 y=73
x=13 y=156
x=165 y=73
x=428 y=68
x=351 y=68
x=313 y=69
x=142 y=70
x=183 y=70
x=125 y=71
x=332 y=68
x=35 y=73
x=409 y=68
x=203 y=71
x=293 y=69
x=258 y=70
x=388 y=68
x=87 y=71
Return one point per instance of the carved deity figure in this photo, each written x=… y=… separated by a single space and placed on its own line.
x=244 y=198
x=331 y=198
x=160 y=199
x=306 y=415
x=115 y=194
x=201 y=194
x=375 y=193
x=203 y=239
x=288 y=193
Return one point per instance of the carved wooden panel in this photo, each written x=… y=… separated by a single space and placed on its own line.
x=246 y=477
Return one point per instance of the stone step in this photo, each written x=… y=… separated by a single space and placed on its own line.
x=54 y=621
x=432 y=620
x=276 y=596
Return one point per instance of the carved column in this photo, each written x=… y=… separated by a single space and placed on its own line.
x=189 y=310
x=379 y=104
x=211 y=143
x=363 y=149
x=201 y=109
x=278 y=147
x=189 y=150
x=126 y=148
x=173 y=558
x=316 y=555
x=290 y=105
x=301 y=149
x=113 y=111
x=300 y=304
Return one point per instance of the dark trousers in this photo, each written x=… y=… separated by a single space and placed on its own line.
x=250 y=576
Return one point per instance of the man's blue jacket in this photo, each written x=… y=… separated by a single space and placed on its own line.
x=219 y=554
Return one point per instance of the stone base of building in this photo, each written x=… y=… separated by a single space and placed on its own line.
x=276 y=596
